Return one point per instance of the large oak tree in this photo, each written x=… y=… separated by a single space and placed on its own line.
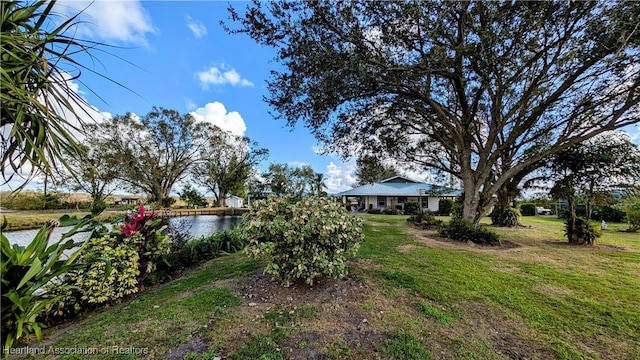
x=482 y=90
x=153 y=152
x=226 y=162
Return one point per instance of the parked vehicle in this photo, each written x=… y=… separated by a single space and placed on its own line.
x=543 y=211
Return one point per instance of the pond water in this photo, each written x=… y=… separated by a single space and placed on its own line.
x=193 y=226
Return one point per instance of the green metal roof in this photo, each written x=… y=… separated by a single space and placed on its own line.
x=401 y=189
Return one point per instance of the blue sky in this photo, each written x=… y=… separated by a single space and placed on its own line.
x=177 y=55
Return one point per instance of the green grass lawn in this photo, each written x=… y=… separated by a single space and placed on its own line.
x=410 y=296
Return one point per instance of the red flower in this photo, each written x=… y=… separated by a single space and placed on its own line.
x=134 y=224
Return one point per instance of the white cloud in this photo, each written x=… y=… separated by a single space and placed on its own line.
x=190 y=105
x=340 y=178
x=215 y=113
x=222 y=76
x=297 y=164
x=125 y=21
x=318 y=149
x=197 y=27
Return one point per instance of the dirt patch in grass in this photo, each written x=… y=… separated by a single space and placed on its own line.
x=195 y=345
x=375 y=223
x=313 y=315
x=431 y=239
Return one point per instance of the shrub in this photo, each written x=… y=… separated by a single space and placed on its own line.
x=128 y=253
x=149 y=236
x=462 y=230
x=528 y=209
x=444 y=207
x=373 y=211
x=25 y=271
x=425 y=219
x=304 y=240
x=633 y=218
x=456 y=211
x=582 y=233
x=103 y=282
x=607 y=213
x=505 y=216
x=391 y=211
x=228 y=241
x=412 y=208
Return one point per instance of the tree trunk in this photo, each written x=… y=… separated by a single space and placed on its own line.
x=222 y=201
x=571 y=221
x=470 y=206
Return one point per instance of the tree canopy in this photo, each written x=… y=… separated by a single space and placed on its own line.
x=595 y=169
x=226 y=162
x=41 y=114
x=481 y=90
x=369 y=170
x=153 y=152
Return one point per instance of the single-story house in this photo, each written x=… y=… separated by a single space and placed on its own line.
x=395 y=192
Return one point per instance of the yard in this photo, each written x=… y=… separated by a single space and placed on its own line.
x=410 y=295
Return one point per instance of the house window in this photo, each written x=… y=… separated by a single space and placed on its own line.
x=382 y=201
x=425 y=202
x=402 y=200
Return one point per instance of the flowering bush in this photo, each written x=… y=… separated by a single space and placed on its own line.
x=117 y=264
x=146 y=232
x=304 y=240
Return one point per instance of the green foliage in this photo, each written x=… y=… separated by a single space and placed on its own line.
x=98 y=207
x=456 y=210
x=369 y=170
x=151 y=152
x=39 y=57
x=118 y=262
x=195 y=251
x=25 y=271
x=229 y=241
x=227 y=162
x=192 y=197
x=444 y=207
x=582 y=233
x=406 y=346
x=462 y=230
x=505 y=217
x=633 y=218
x=303 y=239
x=608 y=213
x=528 y=209
x=285 y=180
x=109 y=280
x=412 y=208
x=389 y=210
x=31 y=200
x=425 y=219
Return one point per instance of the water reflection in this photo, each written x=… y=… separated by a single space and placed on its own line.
x=193 y=226
x=203 y=225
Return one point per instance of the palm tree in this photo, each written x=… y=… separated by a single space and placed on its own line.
x=319 y=184
x=35 y=80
